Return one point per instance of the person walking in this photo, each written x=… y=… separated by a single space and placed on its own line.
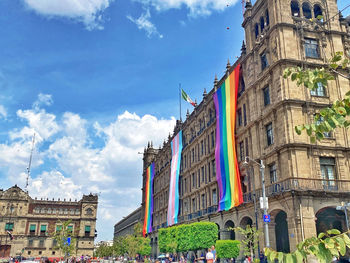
x=210 y=256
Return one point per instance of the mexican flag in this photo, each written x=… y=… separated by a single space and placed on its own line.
x=187 y=98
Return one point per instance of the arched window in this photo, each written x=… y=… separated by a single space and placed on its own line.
x=262 y=24
x=89 y=211
x=317 y=10
x=267 y=17
x=294 y=5
x=256 y=31
x=306 y=10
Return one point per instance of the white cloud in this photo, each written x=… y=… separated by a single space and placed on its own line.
x=43 y=99
x=144 y=23
x=73 y=157
x=88 y=12
x=3 y=112
x=195 y=7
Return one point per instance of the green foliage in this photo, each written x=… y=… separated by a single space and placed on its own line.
x=188 y=237
x=331 y=117
x=132 y=244
x=250 y=239
x=104 y=251
x=324 y=248
x=227 y=248
x=60 y=236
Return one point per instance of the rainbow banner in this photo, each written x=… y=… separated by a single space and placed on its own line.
x=147 y=223
x=173 y=205
x=227 y=170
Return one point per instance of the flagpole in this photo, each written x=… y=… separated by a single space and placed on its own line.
x=180 y=98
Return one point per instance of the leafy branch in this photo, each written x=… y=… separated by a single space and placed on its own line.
x=324 y=247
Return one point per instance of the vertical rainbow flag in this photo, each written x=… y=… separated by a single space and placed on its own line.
x=147 y=223
x=227 y=171
x=173 y=205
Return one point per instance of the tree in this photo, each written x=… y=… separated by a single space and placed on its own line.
x=324 y=247
x=227 y=248
x=104 y=251
x=120 y=246
x=250 y=239
x=62 y=235
x=135 y=244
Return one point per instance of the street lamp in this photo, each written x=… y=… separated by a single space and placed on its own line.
x=344 y=207
x=264 y=202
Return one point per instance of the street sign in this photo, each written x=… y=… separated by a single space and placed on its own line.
x=68 y=241
x=262 y=205
x=267 y=218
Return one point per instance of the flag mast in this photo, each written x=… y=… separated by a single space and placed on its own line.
x=180 y=99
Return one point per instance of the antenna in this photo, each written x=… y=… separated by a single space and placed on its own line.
x=30 y=163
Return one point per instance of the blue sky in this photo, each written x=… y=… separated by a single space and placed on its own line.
x=95 y=82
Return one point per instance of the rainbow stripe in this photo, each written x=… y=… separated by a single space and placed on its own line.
x=147 y=223
x=173 y=205
x=227 y=170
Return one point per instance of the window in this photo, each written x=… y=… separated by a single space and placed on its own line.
x=49 y=210
x=32 y=229
x=53 y=252
x=264 y=62
x=256 y=31
x=43 y=210
x=70 y=229
x=273 y=173
x=319 y=91
x=317 y=11
x=246 y=147
x=203 y=174
x=214 y=198
x=262 y=24
x=66 y=211
x=60 y=211
x=41 y=243
x=77 y=211
x=269 y=134
x=328 y=172
x=29 y=252
x=43 y=230
x=71 y=211
x=212 y=139
x=213 y=167
x=266 y=93
x=58 y=228
x=202 y=147
x=267 y=17
x=306 y=10
x=9 y=226
x=54 y=210
x=244 y=115
x=203 y=201
x=40 y=252
x=193 y=181
x=239 y=113
x=37 y=210
x=241 y=151
x=294 y=5
x=87 y=230
x=194 y=205
x=30 y=243
x=88 y=211
x=311 y=48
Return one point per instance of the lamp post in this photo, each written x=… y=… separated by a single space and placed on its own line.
x=264 y=203
x=344 y=207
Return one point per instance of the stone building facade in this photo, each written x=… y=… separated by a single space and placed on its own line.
x=126 y=225
x=304 y=181
x=31 y=223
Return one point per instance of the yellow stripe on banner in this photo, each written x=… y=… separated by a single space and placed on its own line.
x=230 y=169
x=235 y=186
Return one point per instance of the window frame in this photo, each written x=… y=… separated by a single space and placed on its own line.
x=312 y=48
x=266 y=96
x=264 y=61
x=269 y=134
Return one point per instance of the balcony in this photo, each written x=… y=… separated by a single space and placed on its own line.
x=300 y=184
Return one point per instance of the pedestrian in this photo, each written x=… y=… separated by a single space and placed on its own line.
x=214 y=252
x=210 y=256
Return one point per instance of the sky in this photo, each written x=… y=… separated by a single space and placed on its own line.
x=95 y=80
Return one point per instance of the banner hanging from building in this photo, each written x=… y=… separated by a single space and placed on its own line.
x=227 y=170
x=147 y=223
x=173 y=204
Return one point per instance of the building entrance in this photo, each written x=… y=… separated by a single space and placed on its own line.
x=5 y=251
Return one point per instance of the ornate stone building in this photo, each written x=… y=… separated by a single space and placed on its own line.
x=26 y=224
x=126 y=225
x=304 y=181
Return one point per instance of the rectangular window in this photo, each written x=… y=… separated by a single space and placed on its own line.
x=246 y=147
x=269 y=134
x=264 y=62
x=43 y=230
x=215 y=202
x=209 y=175
x=203 y=201
x=241 y=151
x=87 y=230
x=203 y=175
x=328 y=173
x=70 y=229
x=54 y=243
x=194 y=205
x=213 y=168
x=193 y=181
x=311 y=48
x=244 y=115
x=273 y=173
x=41 y=243
x=58 y=228
x=202 y=148
x=9 y=226
x=32 y=229
x=212 y=139
x=30 y=243
x=325 y=134
x=266 y=93
x=239 y=114
x=320 y=91
x=185 y=185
